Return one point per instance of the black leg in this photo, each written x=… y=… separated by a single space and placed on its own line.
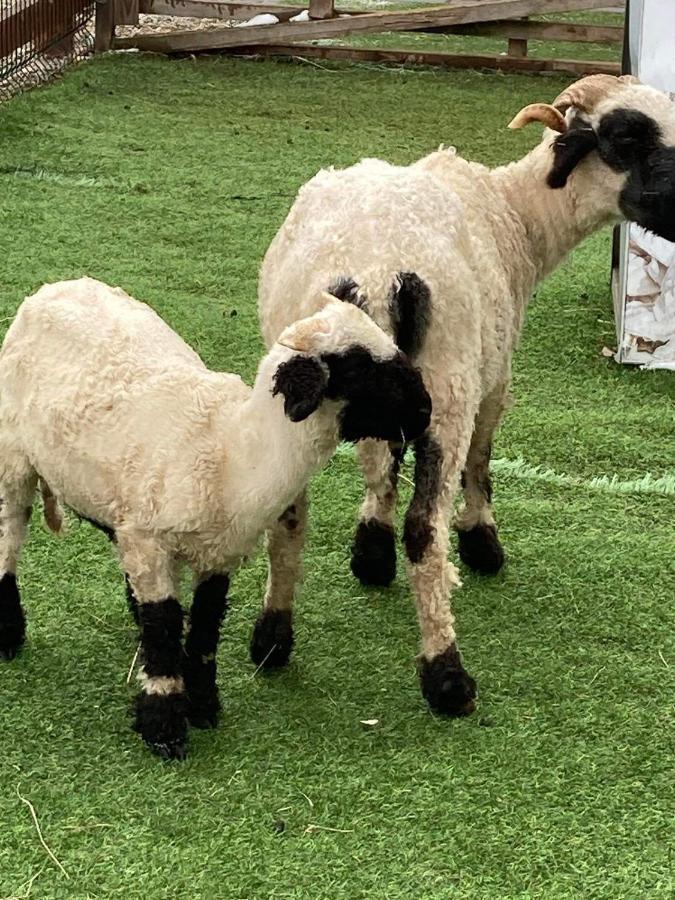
x=206 y=616
x=161 y=706
x=374 y=549
x=12 y=618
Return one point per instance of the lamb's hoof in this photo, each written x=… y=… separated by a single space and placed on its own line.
x=272 y=639
x=446 y=685
x=374 y=554
x=161 y=720
x=12 y=618
x=200 y=685
x=175 y=750
x=203 y=718
x=480 y=549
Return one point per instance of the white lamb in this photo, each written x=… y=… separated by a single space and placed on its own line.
x=123 y=422
x=444 y=255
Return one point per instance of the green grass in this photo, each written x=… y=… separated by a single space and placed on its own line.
x=170 y=178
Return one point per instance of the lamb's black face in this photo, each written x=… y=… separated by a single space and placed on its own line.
x=385 y=399
x=629 y=141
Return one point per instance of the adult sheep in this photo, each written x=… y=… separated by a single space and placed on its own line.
x=444 y=255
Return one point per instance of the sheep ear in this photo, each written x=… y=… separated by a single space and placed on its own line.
x=540 y=112
x=568 y=151
x=302 y=381
x=301 y=336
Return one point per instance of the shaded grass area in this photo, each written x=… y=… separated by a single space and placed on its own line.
x=170 y=178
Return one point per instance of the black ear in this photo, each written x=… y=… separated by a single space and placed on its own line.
x=568 y=151
x=302 y=381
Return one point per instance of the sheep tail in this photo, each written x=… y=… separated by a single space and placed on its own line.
x=52 y=512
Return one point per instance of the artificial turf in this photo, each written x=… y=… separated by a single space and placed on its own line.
x=170 y=178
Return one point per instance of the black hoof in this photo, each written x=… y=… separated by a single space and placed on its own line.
x=203 y=718
x=200 y=685
x=175 y=750
x=161 y=720
x=480 y=550
x=12 y=618
x=374 y=554
x=272 y=639
x=446 y=685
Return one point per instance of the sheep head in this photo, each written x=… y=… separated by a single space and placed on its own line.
x=628 y=129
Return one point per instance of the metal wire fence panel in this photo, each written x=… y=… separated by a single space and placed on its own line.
x=38 y=38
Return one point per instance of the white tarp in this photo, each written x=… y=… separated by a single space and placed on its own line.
x=646 y=283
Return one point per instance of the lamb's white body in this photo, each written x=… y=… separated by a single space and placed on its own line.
x=479 y=240
x=123 y=422
x=129 y=428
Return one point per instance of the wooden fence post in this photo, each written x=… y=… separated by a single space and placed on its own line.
x=104 y=28
x=126 y=12
x=517 y=47
x=321 y=9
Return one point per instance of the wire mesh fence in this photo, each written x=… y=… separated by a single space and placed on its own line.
x=38 y=38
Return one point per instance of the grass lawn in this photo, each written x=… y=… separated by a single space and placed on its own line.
x=170 y=178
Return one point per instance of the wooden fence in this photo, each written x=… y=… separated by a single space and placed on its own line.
x=485 y=18
x=33 y=28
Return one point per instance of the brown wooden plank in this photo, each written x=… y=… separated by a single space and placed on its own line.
x=217 y=9
x=453 y=13
x=321 y=9
x=448 y=60
x=539 y=31
x=126 y=12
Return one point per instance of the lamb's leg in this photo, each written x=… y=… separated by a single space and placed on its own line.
x=479 y=546
x=272 y=639
x=161 y=705
x=16 y=497
x=374 y=548
x=439 y=457
x=206 y=615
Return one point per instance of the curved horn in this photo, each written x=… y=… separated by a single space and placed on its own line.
x=540 y=112
x=586 y=93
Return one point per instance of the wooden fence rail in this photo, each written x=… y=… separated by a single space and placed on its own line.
x=478 y=18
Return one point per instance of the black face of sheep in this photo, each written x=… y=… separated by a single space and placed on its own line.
x=385 y=399
x=632 y=142
x=628 y=141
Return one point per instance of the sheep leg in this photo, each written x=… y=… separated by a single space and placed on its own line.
x=272 y=640
x=206 y=615
x=15 y=509
x=439 y=457
x=161 y=705
x=374 y=547
x=479 y=546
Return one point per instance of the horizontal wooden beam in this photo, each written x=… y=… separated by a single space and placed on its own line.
x=452 y=13
x=448 y=60
x=539 y=31
x=217 y=9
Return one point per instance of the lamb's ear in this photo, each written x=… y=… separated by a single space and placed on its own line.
x=302 y=381
x=302 y=335
x=568 y=151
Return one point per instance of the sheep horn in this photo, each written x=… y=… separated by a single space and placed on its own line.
x=540 y=112
x=586 y=93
